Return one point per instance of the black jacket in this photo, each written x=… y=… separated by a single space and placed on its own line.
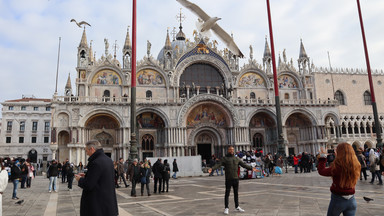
x=15 y=172
x=157 y=169
x=99 y=195
x=53 y=170
x=145 y=172
x=175 y=168
x=166 y=170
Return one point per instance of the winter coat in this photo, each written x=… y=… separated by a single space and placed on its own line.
x=99 y=195
x=157 y=169
x=120 y=168
x=134 y=172
x=15 y=172
x=175 y=168
x=53 y=170
x=231 y=165
x=373 y=161
x=361 y=159
x=145 y=172
x=166 y=171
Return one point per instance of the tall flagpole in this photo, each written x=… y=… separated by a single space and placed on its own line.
x=280 y=137
x=133 y=149
x=373 y=99
x=57 y=69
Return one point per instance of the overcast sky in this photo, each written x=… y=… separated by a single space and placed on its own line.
x=29 y=32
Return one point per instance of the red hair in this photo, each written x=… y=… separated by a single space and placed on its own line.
x=347 y=164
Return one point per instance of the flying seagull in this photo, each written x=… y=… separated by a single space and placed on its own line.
x=80 y=23
x=208 y=23
x=367 y=199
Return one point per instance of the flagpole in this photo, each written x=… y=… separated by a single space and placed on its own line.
x=373 y=99
x=280 y=137
x=57 y=68
x=133 y=142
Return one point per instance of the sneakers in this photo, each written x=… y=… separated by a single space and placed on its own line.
x=49 y=191
x=226 y=211
x=15 y=198
x=239 y=209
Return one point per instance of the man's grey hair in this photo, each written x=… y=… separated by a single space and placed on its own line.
x=135 y=160
x=92 y=144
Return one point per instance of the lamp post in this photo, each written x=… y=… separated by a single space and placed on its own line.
x=133 y=142
x=280 y=137
x=373 y=99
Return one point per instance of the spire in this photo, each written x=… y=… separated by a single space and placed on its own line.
x=302 y=54
x=267 y=51
x=83 y=42
x=127 y=44
x=91 y=59
x=68 y=85
x=168 y=42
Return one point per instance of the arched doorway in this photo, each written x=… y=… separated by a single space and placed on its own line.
x=32 y=156
x=105 y=129
x=205 y=141
x=63 y=140
x=300 y=126
x=151 y=129
x=263 y=131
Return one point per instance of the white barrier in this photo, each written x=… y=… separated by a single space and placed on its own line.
x=188 y=165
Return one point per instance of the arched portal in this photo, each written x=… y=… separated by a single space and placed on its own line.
x=63 y=140
x=263 y=132
x=151 y=135
x=32 y=156
x=300 y=126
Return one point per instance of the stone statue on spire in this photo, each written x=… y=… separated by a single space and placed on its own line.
x=106 y=46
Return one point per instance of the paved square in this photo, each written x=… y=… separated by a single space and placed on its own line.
x=290 y=194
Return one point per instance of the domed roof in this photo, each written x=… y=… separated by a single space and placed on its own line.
x=176 y=46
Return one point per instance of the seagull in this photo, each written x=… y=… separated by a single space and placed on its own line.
x=80 y=23
x=206 y=23
x=367 y=199
x=19 y=202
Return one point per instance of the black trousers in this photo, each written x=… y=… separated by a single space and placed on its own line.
x=70 y=181
x=134 y=182
x=165 y=182
x=122 y=176
x=228 y=184
x=147 y=186
x=155 y=184
x=363 y=171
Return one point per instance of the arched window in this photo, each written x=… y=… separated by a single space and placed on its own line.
x=340 y=97
x=107 y=93
x=258 y=141
x=148 y=94
x=252 y=95
x=147 y=143
x=367 y=98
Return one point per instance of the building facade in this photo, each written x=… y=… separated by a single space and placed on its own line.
x=26 y=129
x=194 y=99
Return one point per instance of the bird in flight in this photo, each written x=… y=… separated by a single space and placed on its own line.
x=207 y=23
x=80 y=23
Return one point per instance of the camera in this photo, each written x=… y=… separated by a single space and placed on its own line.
x=331 y=151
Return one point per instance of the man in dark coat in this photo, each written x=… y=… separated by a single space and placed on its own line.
x=157 y=172
x=134 y=175
x=99 y=195
x=231 y=165
x=175 y=169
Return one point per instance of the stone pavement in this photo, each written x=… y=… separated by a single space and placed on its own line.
x=290 y=194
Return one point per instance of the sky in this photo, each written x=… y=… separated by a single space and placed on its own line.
x=30 y=31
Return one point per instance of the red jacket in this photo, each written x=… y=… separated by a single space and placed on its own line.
x=295 y=160
x=335 y=187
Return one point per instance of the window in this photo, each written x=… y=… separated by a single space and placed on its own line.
x=286 y=96
x=10 y=108
x=23 y=108
x=22 y=126
x=252 y=95
x=21 y=139
x=47 y=126
x=34 y=126
x=9 y=125
x=35 y=108
x=48 y=108
x=46 y=139
x=8 y=139
x=367 y=98
x=148 y=94
x=340 y=97
x=33 y=140
x=147 y=142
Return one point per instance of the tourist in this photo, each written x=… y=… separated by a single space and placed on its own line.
x=145 y=173
x=231 y=165
x=157 y=170
x=295 y=163
x=64 y=171
x=175 y=168
x=120 y=171
x=80 y=167
x=166 y=175
x=99 y=196
x=363 y=164
x=30 y=175
x=15 y=177
x=70 y=176
x=374 y=167
x=53 y=172
x=24 y=174
x=3 y=183
x=345 y=171
x=134 y=175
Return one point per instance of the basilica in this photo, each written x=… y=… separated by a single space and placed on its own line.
x=194 y=99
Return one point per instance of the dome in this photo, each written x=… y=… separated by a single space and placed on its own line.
x=176 y=46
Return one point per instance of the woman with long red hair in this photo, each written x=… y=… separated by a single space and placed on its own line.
x=345 y=171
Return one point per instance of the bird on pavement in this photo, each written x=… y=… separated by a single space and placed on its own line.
x=367 y=199
x=206 y=23
x=19 y=202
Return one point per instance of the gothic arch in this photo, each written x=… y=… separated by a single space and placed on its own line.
x=305 y=112
x=101 y=111
x=333 y=115
x=228 y=107
x=205 y=59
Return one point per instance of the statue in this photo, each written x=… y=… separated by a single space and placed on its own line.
x=250 y=51
x=106 y=46
x=284 y=56
x=148 y=48
x=193 y=88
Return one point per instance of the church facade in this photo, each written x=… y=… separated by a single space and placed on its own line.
x=194 y=99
